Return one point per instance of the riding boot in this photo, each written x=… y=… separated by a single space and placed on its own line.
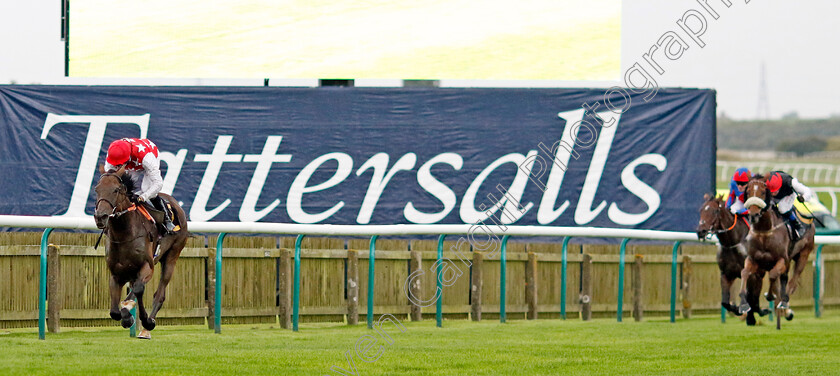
x=167 y=215
x=795 y=227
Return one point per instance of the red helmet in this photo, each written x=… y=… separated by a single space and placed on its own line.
x=742 y=175
x=118 y=152
x=774 y=183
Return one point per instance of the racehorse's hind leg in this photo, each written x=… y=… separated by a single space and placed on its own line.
x=167 y=270
x=801 y=262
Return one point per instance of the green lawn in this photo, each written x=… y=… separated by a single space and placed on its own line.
x=700 y=346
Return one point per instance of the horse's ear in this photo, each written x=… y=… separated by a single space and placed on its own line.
x=720 y=197
x=102 y=169
x=121 y=171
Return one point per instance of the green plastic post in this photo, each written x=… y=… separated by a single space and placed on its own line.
x=503 y=280
x=132 y=332
x=622 y=251
x=296 y=289
x=42 y=286
x=438 y=271
x=217 y=310
x=563 y=278
x=817 y=281
x=722 y=315
x=371 y=270
x=674 y=258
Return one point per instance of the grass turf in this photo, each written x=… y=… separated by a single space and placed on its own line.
x=699 y=346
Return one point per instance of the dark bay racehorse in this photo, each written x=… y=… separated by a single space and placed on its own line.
x=769 y=249
x=130 y=250
x=731 y=230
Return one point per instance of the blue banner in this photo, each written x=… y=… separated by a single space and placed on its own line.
x=558 y=157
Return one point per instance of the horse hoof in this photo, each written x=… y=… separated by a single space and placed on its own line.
x=743 y=309
x=750 y=320
x=127 y=323
x=144 y=334
x=770 y=297
x=116 y=316
x=783 y=305
x=789 y=315
x=150 y=324
x=764 y=312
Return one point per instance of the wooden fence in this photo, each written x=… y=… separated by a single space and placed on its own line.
x=256 y=281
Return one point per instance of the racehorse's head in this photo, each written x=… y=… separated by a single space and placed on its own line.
x=710 y=215
x=111 y=196
x=756 y=198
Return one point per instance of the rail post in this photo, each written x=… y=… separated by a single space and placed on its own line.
x=217 y=326
x=622 y=252
x=42 y=286
x=296 y=288
x=817 y=281
x=371 y=270
x=503 y=279
x=674 y=257
x=563 y=277
x=438 y=271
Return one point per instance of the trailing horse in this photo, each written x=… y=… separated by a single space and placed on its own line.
x=130 y=250
x=769 y=250
x=731 y=230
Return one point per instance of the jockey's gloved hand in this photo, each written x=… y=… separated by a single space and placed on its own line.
x=133 y=197
x=800 y=198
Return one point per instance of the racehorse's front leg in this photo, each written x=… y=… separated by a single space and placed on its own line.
x=750 y=268
x=138 y=288
x=725 y=296
x=115 y=290
x=753 y=291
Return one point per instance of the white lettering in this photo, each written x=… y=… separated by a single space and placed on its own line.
x=379 y=179
x=436 y=188
x=584 y=212
x=198 y=211
x=248 y=211
x=298 y=188
x=640 y=189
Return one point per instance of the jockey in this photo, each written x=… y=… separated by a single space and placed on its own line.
x=784 y=189
x=735 y=202
x=140 y=157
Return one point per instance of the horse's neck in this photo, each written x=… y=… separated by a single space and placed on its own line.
x=124 y=227
x=736 y=231
x=765 y=222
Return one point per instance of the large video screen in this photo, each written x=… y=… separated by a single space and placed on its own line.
x=377 y=39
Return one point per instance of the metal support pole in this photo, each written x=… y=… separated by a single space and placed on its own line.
x=674 y=257
x=296 y=288
x=217 y=327
x=503 y=279
x=438 y=271
x=622 y=252
x=371 y=270
x=42 y=286
x=563 y=278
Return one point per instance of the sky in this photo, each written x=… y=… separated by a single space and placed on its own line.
x=794 y=41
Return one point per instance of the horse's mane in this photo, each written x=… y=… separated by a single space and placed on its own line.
x=125 y=180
